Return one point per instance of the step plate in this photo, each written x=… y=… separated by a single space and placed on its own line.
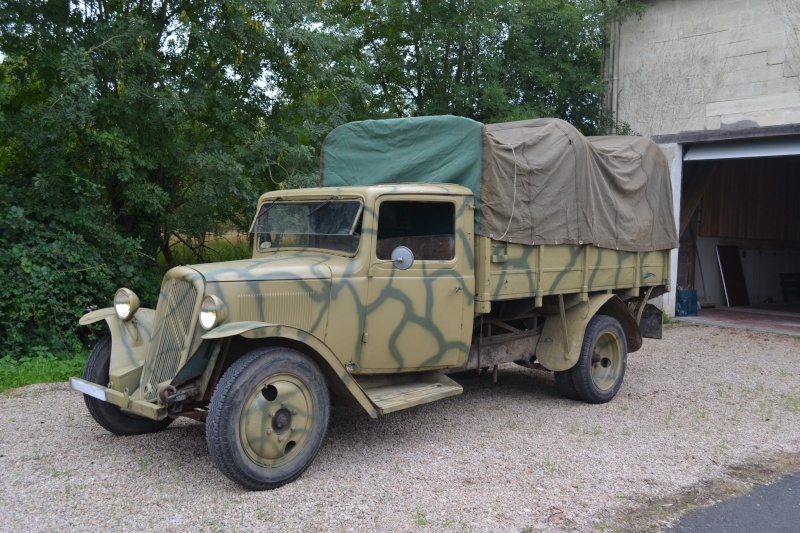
x=391 y=398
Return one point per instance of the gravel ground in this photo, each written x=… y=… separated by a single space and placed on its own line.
x=510 y=456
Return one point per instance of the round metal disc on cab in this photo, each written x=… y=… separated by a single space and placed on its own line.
x=402 y=258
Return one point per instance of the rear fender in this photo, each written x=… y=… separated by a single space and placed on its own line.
x=551 y=352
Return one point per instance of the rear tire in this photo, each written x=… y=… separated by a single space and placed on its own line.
x=268 y=418
x=107 y=414
x=565 y=385
x=598 y=374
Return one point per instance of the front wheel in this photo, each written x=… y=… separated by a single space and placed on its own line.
x=106 y=414
x=268 y=418
x=598 y=374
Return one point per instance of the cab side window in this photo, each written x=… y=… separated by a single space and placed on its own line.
x=425 y=228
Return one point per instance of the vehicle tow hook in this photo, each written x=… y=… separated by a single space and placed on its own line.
x=169 y=395
x=166 y=393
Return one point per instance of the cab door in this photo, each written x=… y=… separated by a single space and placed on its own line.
x=415 y=308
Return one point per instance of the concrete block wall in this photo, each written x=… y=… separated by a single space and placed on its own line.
x=691 y=65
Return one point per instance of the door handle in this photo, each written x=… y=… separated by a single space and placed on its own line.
x=459 y=288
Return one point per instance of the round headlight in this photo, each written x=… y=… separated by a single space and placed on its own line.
x=126 y=303
x=212 y=312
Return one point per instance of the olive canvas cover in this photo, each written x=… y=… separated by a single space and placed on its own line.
x=535 y=181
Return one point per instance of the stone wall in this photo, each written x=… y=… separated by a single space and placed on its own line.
x=690 y=65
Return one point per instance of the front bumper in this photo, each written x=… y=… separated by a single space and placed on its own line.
x=138 y=407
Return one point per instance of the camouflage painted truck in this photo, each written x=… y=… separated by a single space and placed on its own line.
x=436 y=245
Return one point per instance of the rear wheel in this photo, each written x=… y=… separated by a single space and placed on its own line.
x=598 y=374
x=268 y=418
x=106 y=414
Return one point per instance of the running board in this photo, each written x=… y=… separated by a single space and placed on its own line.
x=392 y=393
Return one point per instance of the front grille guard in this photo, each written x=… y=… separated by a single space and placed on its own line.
x=174 y=329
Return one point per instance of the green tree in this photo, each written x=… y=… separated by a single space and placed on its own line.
x=124 y=123
x=491 y=60
x=178 y=108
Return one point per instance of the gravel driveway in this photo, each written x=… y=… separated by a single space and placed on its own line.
x=695 y=408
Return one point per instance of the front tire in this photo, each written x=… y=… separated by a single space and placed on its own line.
x=106 y=414
x=268 y=418
x=598 y=374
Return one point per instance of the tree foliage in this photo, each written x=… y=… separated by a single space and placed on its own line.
x=181 y=110
x=491 y=60
x=127 y=123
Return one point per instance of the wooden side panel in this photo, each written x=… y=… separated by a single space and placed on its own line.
x=654 y=268
x=609 y=269
x=562 y=269
x=514 y=271
x=507 y=271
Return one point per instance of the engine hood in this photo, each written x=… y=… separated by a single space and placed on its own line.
x=277 y=267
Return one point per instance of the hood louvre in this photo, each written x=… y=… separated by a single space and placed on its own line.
x=288 y=308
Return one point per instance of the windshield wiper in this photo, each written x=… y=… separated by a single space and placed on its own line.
x=262 y=215
x=265 y=211
x=326 y=204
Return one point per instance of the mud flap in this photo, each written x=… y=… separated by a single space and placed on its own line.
x=651 y=323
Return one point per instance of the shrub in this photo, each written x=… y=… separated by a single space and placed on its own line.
x=57 y=258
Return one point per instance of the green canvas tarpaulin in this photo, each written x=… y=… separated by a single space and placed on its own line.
x=440 y=149
x=535 y=181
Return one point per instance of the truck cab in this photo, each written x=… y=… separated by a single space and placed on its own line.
x=357 y=282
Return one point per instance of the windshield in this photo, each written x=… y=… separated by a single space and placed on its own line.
x=328 y=224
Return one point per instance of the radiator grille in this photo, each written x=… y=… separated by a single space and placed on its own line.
x=171 y=338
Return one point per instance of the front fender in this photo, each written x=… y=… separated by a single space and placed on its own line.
x=130 y=340
x=264 y=330
x=96 y=316
x=236 y=328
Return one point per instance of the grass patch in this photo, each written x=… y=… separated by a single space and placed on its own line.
x=30 y=370
x=792 y=403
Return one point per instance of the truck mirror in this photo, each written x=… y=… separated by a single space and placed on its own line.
x=402 y=258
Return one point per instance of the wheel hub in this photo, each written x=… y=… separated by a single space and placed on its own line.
x=282 y=421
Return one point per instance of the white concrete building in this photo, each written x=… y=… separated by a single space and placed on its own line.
x=716 y=83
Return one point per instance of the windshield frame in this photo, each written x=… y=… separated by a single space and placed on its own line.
x=269 y=203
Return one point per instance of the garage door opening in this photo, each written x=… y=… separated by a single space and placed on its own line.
x=740 y=229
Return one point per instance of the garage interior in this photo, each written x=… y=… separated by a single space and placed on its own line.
x=740 y=229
